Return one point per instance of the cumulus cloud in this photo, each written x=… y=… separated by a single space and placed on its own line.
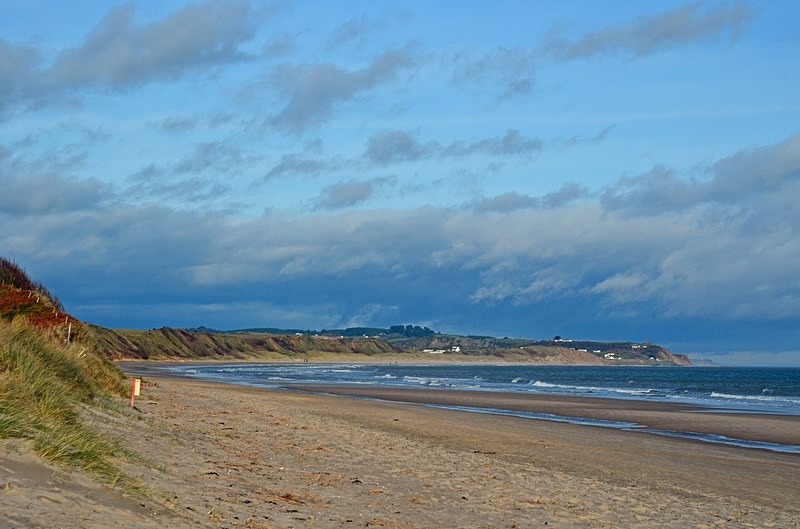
x=740 y=243
x=659 y=189
x=722 y=247
x=500 y=285
x=569 y=253
x=394 y=146
x=119 y=52
x=733 y=180
x=18 y=73
x=648 y=35
x=623 y=288
x=510 y=201
x=43 y=185
x=757 y=169
x=565 y=195
x=352 y=192
x=48 y=194
x=513 y=201
x=312 y=90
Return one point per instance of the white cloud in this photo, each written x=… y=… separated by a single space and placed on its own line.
x=675 y=260
x=352 y=192
x=395 y=146
x=119 y=52
x=313 y=90
x=647 y=35
x=18 y=70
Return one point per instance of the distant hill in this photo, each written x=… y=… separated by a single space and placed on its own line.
x=570 y=351
x=402 y=342
x=22 y=298
x=178 y=344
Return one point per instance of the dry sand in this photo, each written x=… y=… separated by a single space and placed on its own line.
x=225 y=456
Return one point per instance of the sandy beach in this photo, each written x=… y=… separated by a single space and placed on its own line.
x=215 y=455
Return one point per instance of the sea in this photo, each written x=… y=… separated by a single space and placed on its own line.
x=722 y=389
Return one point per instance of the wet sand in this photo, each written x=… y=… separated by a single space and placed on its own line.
x=227 y=456
x=779 y=429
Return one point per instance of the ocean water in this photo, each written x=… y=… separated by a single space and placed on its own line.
x=752 y=390
x=726 y=389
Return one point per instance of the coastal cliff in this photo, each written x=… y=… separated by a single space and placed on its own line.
x=169 y=343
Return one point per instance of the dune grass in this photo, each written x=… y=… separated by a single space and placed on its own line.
x=13 y=274
x=42 y=384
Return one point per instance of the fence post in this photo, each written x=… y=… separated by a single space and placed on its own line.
x=135 y=385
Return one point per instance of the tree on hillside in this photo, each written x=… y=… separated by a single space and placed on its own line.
x=411 y=331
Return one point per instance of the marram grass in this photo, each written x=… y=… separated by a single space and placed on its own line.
x=42 y=383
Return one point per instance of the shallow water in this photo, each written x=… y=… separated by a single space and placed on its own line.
x=752 y=390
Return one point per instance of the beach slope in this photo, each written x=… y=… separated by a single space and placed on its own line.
x=226 y=456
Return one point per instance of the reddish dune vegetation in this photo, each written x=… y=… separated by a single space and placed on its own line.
x=33 y=306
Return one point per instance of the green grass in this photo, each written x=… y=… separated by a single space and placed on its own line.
x=42 y=384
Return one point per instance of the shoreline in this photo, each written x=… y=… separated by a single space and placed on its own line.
x=647 y=416
x=755 y=430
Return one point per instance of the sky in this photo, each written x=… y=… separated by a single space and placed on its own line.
x=614 y=170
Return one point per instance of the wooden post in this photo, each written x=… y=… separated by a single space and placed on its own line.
x=135 y=385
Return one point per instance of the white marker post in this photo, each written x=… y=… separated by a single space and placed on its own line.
x=135 y=386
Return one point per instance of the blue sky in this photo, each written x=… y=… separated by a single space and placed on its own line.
x=619 y=170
